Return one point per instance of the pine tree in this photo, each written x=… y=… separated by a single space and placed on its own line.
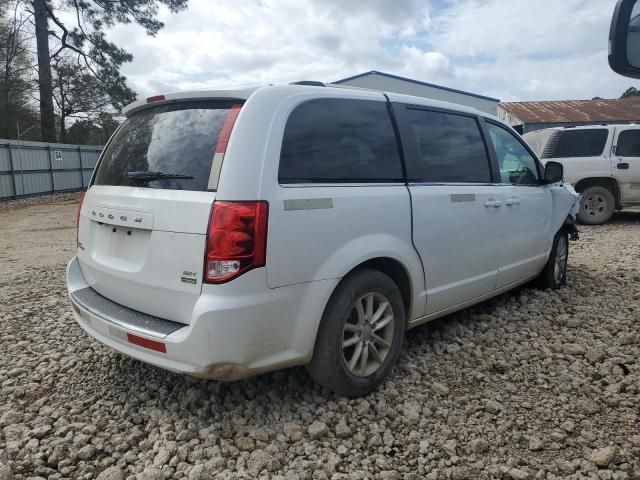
x=16 y=78
x=86 y=38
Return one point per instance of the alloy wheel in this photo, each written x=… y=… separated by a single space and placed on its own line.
x=367 y=334
x=560 y=263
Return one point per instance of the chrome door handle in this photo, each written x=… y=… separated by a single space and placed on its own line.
x=512 y=201
x=493 y=203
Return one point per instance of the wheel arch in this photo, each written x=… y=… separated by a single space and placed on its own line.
x=394 y=269
x=398 y=273
x=607 y=182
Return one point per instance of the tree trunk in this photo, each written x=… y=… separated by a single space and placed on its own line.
x=63 y=116
x=47 y=119
x=5 y=130
x=63 y=130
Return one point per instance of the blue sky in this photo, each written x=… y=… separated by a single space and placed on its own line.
x=509 y=49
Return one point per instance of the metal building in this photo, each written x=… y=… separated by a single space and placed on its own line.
x=529 y=116
x=30 y=168
x=393 y=83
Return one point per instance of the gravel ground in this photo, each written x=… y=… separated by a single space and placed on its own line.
x=533 y=384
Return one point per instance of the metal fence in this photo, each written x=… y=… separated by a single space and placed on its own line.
x=31 y=168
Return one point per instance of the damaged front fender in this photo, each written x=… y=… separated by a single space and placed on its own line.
x=566 y=205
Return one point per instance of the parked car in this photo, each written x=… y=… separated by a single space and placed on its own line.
x=602 y=162
x=229 y=233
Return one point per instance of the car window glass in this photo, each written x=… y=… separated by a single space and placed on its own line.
x=628 y=143
x=588 y=142
x=339 y=140
x=450 y=148
x=177 y=138
x=517 y=166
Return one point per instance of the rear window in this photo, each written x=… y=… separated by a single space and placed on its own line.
x=576 y=143
x=339 y=141
x=174 y=139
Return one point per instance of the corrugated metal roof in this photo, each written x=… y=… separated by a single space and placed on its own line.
x=627 y=109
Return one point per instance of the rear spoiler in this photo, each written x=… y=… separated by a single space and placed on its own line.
x=236 y=94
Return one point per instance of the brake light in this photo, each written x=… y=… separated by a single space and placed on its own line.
x=155 y=98
x=236 y=239
x=78 y=216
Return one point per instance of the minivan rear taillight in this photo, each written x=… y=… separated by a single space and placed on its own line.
x=236 y=239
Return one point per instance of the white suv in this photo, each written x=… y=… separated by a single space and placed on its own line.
x=233 y=232
x=602 y=162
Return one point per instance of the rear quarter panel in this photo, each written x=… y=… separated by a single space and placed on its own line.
x=361 y=223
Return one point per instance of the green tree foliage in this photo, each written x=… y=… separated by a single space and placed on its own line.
x=79 y=94
x=92 y=131
x=17 y=109
x=84 y=36
x=631 y=92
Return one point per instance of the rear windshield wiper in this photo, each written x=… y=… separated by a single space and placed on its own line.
x=147 y=176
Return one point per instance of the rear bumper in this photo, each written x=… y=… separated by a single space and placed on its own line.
x=91 y=302
x=236 y=330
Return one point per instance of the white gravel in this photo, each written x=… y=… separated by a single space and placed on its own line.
x=531 y=385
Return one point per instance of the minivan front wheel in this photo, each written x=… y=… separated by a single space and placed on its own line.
x=360 y=334
x=554 y=274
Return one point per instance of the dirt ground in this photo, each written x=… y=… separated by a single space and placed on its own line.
x=39 y=231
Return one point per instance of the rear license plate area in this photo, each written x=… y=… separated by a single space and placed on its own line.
x=123 y=248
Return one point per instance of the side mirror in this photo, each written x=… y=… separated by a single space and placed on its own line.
x=624 y=39
x=553 y=172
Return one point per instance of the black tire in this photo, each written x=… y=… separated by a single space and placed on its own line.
x=553 y=275
x=596 y=205
x=329 y=365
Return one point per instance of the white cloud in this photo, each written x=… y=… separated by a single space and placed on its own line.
x=576 y=77
x=522 y=50
x=511 y=49
x=522 y=27
x=425 y=65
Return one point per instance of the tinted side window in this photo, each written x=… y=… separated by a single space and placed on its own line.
x=576 y=143
x=517 y=166
x=339 y=140
x=628 y=143
x=450 y=148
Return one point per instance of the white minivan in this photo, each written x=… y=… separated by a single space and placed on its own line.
x=233 y=232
